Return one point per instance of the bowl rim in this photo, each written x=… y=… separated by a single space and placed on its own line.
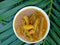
x=47 y=18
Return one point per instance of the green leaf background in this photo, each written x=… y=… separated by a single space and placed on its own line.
x=8 y=9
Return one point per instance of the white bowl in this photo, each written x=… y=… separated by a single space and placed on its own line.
x=47 y=18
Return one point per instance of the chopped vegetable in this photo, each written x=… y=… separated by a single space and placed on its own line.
x=32 y=18
x=31 y=31
x=26 y=19
x=23 y=22
x=36 y=23
x=41 y=27
x=27 y=27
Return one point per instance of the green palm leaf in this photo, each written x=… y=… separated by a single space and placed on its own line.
x=8 y=3
x=8 y=9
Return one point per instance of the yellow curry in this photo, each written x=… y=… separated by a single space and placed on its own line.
x=31 y=25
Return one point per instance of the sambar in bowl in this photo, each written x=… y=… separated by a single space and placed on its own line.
x=31 y=24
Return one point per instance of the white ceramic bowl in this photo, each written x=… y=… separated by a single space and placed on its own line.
x=47 y=18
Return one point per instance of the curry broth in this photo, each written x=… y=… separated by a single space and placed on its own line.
x=29 y=12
